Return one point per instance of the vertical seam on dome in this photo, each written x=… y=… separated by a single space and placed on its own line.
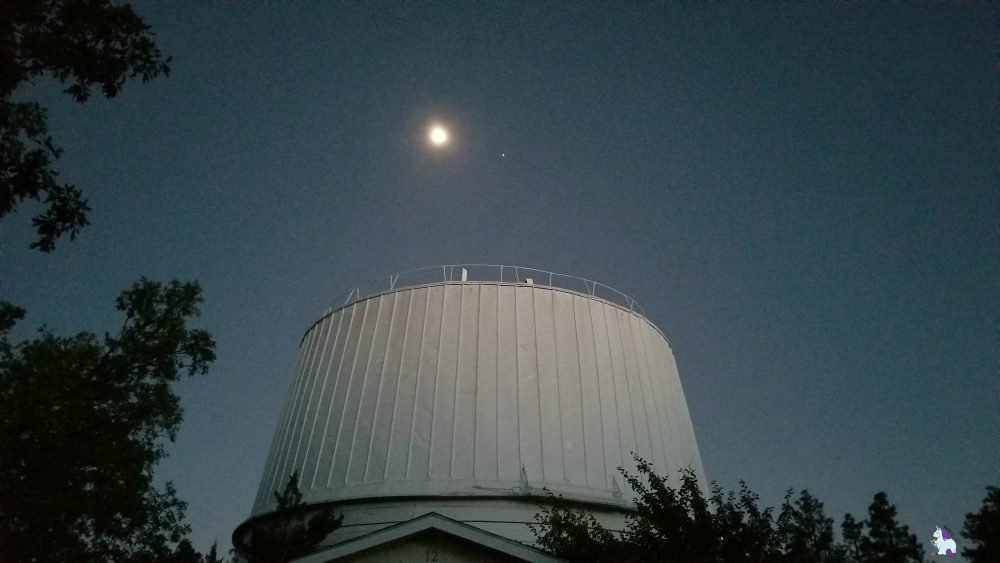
x=333 y=396
x=328 y=325
x=416 y=385
x=666 y=399
x=496 y=383
x=319 y=398
x=437 y=372
x=279 y=451
x=475 y=378
x=614 y=389
x=559 y=410
x=319 y=402
x=361 y=396
x=347 y=397
x=638 y=377
x=642 y=390
x=378 y=392
x=300 y=412
x=600 y=399
x=640 y=355
x=538 y=385
x=458 y=361
x=281 y=434
x=628 y=386
x=579 y=379
x=333 y=392
x=399 y=379
x=659 y=403
x=517 y=376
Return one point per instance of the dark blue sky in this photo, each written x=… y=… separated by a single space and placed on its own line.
x=804 y=198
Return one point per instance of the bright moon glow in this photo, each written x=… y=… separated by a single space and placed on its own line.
x=439 y=136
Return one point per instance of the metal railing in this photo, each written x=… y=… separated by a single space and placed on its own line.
x=495 y=273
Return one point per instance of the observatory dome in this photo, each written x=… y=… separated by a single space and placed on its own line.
x=468 y=391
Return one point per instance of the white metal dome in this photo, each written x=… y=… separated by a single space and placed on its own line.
x=467 y=390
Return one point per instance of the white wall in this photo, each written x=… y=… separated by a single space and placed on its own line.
x=452 y=389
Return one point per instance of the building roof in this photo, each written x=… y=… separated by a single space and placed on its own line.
x=431 y=521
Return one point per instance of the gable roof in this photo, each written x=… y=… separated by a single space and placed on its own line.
x=430 y=521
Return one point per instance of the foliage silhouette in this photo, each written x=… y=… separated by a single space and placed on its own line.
x=87 y=46
x=852 y=531
x=804 y=531
x=982 y=528
x=575 y=535
x=668 y=524
x=290 y=531
x=683 y=525
x=83 y=423
x=886 y=541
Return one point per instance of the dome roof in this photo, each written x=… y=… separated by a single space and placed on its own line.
x=479 y=389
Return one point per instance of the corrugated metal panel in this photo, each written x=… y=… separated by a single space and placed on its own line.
x=453 y=388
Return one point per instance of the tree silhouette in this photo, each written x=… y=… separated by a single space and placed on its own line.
x=805 y=533
x=852 y=532
x=668 y=524
x=85 y=46
x=681 y=525
x=290 y=531
x=576 y=535
x=886 y=541
x=983 y=529
x=82 y=427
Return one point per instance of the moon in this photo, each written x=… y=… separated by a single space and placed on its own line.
x=438 y=135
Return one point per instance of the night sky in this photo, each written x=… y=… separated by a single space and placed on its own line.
x=804 y=198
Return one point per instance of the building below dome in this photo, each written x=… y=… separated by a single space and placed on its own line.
x=430 y=537
x=449 y=402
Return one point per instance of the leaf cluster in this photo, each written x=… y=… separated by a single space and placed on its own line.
x=82 y=426
x=83 y=419
x=886 y=540
x=290 y=531
x=86 y=46
x=982 y=529
x=685 y=525
x=575 y=535
x=804 y=532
